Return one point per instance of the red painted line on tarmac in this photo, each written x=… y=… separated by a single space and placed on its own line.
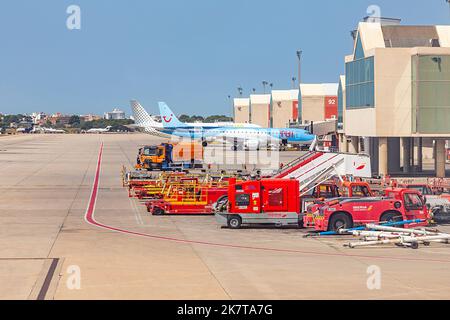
x=90 y=218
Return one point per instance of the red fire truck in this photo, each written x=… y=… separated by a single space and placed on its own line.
x=399 y=204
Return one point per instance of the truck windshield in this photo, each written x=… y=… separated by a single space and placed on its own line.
x=151 y=151
x=413 y=201
x=356 y=191
x=326 y=191
x=360 y=191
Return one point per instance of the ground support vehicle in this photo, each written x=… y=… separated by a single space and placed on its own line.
x=169 y=157
x=268 y=201
x=273 y=201
x=349 y=189
x=398 y=204
x=142 y=185
x=189 y=197
x=438 y=203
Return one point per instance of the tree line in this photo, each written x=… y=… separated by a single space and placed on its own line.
x=209 y=119
x=75 y=122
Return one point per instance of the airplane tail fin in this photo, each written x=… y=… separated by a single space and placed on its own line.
x=168 y=118
x=141 y=116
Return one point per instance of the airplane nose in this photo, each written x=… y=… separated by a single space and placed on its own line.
x=311 y=137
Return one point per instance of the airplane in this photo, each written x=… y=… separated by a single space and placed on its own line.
x=46 y=130
x=143 y=119
x=241 y=137
x=99 y=130
x=169 y=116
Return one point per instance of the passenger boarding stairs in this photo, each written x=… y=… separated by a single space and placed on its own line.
x=316 y=167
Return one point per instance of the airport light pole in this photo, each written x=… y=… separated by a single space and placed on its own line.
x=299 y=57
x=293 y=82
x=232 y=105
x=264 y=83
x=240 y=90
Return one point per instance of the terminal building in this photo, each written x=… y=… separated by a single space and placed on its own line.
x=283 y=108
x=241 y=110
x=260 y=110
x=395 y=96
x=318 y=102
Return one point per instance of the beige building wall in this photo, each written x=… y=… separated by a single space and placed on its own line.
x=282 y=106
x=260 y=115
x=360 y=122
x=259 y=109
x=241 y=110
x=393 y=94
x=314 y=100
x=313 y=108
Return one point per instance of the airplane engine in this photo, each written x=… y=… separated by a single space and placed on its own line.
x=251 y=145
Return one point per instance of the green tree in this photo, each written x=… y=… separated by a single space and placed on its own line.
x=218 y=118
x=184 y=118
x=195 y=118
x=74 y=121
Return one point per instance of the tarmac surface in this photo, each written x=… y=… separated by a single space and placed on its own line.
x=69 y=231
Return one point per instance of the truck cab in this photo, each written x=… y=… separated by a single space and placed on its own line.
x=154 y=157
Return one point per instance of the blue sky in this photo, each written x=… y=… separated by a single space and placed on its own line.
x=191 y=54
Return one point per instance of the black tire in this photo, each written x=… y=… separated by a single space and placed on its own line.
x=204 y=144
x=234 y=222
x=391 y=217
x=234 y=148
x=158 y=211
x=340 y=221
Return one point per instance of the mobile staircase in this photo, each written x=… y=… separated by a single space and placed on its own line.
x=316 y=167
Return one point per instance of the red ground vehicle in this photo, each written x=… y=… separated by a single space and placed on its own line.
x=189 y=197
x=349 y=189
x=271 y=201
x=268 y=201
x=399 y=204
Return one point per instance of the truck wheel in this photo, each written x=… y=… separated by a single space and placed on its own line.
x=158 y=211
x=234 y=222
x=339 y=221
x=391 y=217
